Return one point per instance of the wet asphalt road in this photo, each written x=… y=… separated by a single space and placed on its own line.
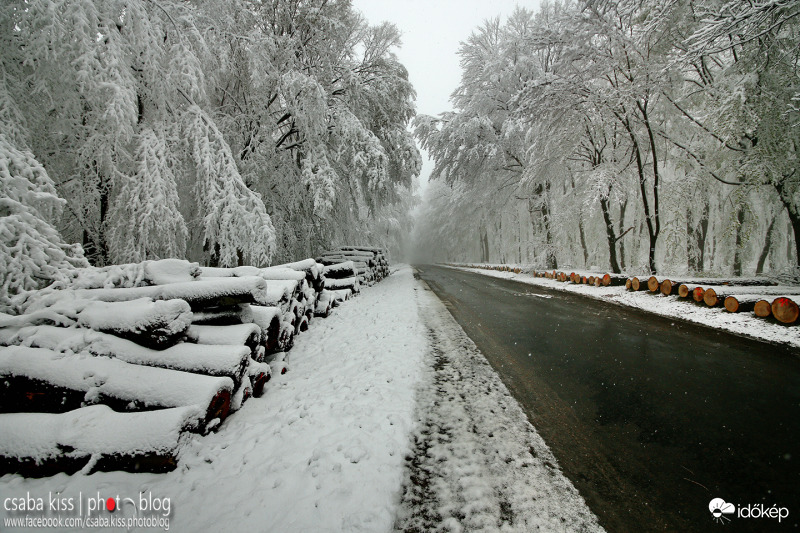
x=649 y=417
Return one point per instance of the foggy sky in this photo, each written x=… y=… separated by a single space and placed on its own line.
x=432 y=31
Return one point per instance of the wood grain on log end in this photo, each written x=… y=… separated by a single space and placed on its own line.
x=762 y=309
x=667 y=287
x=732 y=304
x=652 y=284
x=698 y=293
x=710 y=297
x=785 y=310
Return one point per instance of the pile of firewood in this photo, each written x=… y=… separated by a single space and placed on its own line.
x=347 y=268
x=112 y=370
x=761 y=296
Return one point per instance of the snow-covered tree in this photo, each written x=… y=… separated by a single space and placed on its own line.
x=632 y=134
x=236 y=225
x=183 y=126
x=32 y=252
x=145 y=220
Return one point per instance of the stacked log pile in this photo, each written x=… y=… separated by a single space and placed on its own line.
x=347 y=268
x=763 y=297
x=113 y=370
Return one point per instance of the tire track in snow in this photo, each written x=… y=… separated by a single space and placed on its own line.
x=477 y=464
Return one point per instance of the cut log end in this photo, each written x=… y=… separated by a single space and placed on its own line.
x=668 y=287
x=785 y=310
x=259 y=384
x=698 y=293
x=652 y=284
x=710 y=297
x=683 y=290
x=732 y=304
x=219 y=407
x=762 y=309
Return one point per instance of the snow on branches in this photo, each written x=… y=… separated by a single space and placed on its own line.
x=235 y=219
x=32 y=253
x=146 y=222
x=139 y=109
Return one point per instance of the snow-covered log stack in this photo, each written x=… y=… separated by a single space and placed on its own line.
x=761 y=296
x=379 y=257
x=111 y=370
x=293 y=292
x=141 y=354
x=349 y=267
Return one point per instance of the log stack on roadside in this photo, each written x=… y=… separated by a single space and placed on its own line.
x=350 y=267
x=112 y=370
x=118 y=346
x=763 y=297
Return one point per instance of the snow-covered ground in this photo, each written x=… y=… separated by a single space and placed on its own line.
x=745 y=324
x=389 y=417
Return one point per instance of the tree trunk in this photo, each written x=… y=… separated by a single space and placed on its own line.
x=552 y=261
x=484 y=244
x=767 y=247
x=737 y=253
x=610 y=236
x=651 y=219
x=622 y=209
x=696 y=240
x=582 y=237
x=787 y=199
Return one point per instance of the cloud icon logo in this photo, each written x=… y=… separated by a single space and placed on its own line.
x=719 y=508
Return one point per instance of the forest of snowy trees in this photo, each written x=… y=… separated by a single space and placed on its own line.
x=222 y=131
x=637 y=135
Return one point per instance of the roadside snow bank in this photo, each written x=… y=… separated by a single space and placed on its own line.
x=322 y=450
x=744 y=324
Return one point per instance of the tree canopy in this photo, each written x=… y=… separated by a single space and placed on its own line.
x=225 y=131
x=628 y=134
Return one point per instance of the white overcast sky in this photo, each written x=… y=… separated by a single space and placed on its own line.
x=432 y=31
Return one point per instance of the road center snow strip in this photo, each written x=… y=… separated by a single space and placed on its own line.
x=478 y=463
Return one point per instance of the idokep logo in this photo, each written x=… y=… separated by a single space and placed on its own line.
x=719 y=508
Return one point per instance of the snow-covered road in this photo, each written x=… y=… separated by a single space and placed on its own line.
x=389 y=417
